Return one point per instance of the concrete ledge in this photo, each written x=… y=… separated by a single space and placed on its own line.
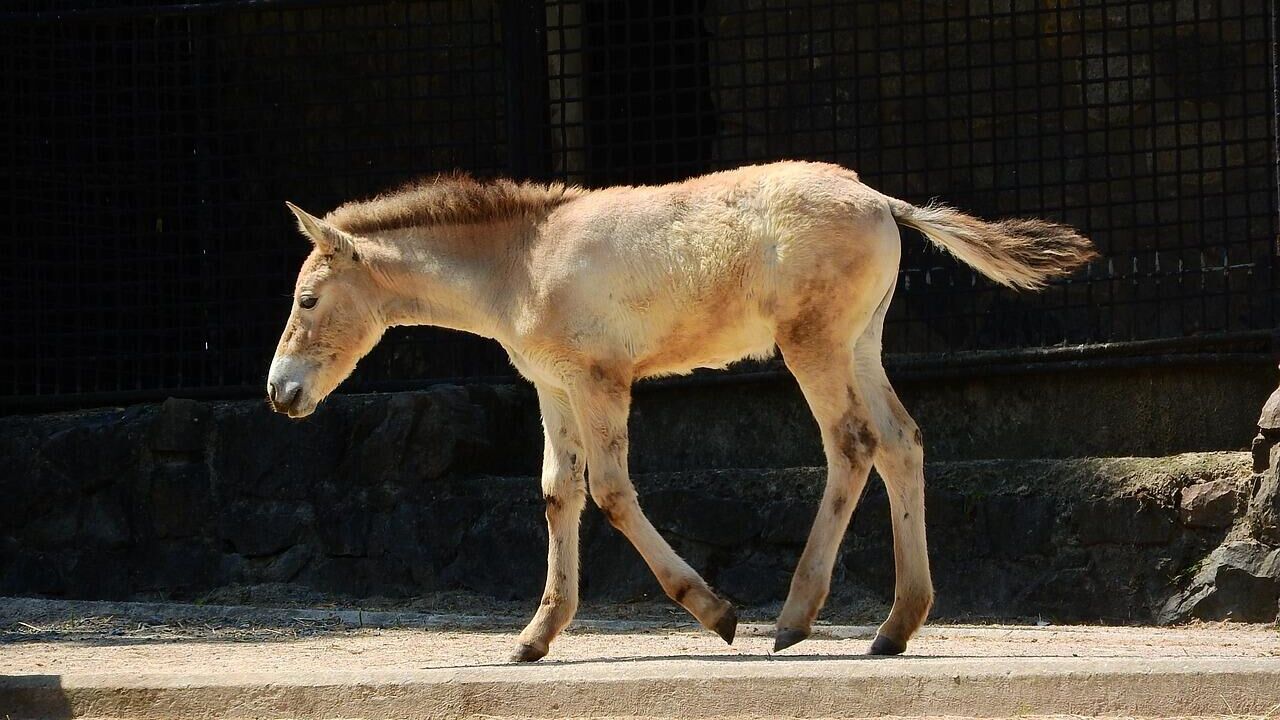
x=680 y=688
x=658 y=672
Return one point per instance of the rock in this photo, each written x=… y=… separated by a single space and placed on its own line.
x=298 y=455
x=97 y=450
x=1268 y=433
x=1238 y=581
x=344 y=529
x=180 y=427
x=611 y=567
x=27 y=573
x=503 y=554
x=787 y=522
x=103 y=524
x=184 y=567
x=447 y=427
x=1261 y=450
x=57 y=528
x=754 y=582
x=447 y=522
x=181 y=499
x=1263 y=515
x=286 y=566
x=1210 y=504
x=1124 y=520
x=1269 y=420
x=703 y=518
x=257 y=528
x=100 y=574
x=1018 y=525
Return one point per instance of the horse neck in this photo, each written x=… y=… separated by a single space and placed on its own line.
x=461 y=277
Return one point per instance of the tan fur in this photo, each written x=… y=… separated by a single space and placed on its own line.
x=591 y=290
x=1017 y=252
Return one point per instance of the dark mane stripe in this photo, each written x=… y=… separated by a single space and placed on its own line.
x=450 y=199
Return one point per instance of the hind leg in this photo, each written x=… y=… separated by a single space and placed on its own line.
x=899 y=459
x=826 y=377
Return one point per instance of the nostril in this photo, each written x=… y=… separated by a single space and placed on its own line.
x=271 y=390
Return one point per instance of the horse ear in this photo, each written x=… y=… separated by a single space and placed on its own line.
x=327 y=238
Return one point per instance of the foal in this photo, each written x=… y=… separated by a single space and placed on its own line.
x=589 y=291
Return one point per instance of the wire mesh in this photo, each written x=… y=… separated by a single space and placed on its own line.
x=1147 y=124
x=148 y=149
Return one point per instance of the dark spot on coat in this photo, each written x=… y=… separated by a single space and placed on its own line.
x=553 y=502
x=838 y=503
x=679 y=593
x=867 y=438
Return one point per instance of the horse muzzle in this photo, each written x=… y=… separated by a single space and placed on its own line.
x=286 y=387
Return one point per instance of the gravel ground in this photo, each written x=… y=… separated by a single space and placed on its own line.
x=96 y=643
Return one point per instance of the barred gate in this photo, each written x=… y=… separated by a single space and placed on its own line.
x=148 y=149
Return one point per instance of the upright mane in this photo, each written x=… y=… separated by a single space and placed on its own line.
x=450 y=199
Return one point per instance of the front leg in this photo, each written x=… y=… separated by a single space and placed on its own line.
x=564 y=490
x=601 y=401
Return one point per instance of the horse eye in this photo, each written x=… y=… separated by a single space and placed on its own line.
x=306 y=303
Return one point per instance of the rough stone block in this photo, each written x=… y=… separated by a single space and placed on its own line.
x=181 y=500
x=1124 y=520
x=1261 y=450
x=754 y=582
x=181 y=427
x=703 y=518
x=258 y=528
x=1238 y=581
x=787 y=522
x=1269 y=420
x=103 y=523
x=182 y=567
x=1209 y=505
x=286 y=566
x=1018 y=525
x=1264 y=507
x=100 y=573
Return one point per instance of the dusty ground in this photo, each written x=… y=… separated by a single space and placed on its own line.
x=204 y=659
x=99 y=643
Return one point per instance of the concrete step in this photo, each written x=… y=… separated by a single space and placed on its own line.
x=210 y=668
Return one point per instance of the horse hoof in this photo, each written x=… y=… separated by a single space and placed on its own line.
x=527 y=653
x=727 y=626
x=883 y=645
x=786 y=638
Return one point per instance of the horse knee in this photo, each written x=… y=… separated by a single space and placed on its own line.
x=614 y=503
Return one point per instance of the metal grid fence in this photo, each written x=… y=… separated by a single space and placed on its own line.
x=147 y=150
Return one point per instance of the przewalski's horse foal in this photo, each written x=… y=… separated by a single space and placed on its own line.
x=590 y=290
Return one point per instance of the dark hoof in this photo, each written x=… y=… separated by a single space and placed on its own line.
x=727 y=626
x=527 y=653
x=884 y=646
x=786 y=638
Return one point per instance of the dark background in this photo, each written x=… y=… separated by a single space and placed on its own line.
x=146 y=150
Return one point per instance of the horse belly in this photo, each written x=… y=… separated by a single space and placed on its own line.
x=714 y=343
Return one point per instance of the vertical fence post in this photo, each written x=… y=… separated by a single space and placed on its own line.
x=1275 y=119
x=524 y=34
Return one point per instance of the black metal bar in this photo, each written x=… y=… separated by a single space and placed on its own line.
x=130 y=12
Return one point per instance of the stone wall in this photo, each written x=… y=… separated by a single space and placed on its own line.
x=398 y=495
